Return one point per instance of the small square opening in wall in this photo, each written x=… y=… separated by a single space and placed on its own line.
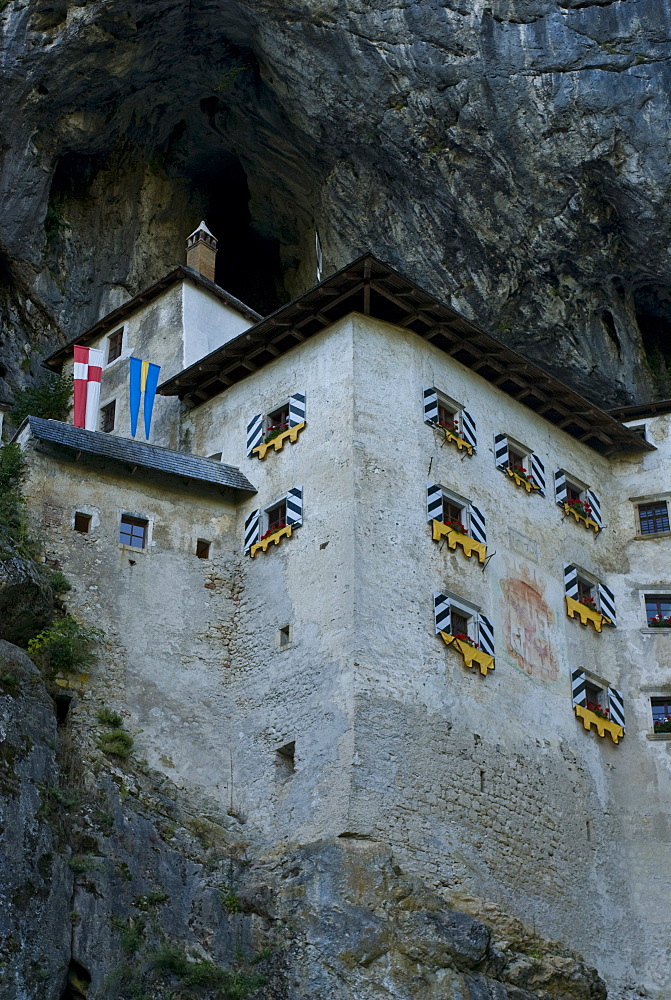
x=107 y=417
x=133 y=531
x=203 y=548
x=285 y=636
x=82 y=522
x=285 y=759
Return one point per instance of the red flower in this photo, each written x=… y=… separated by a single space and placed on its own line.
x=465 y=638
x=457 y=525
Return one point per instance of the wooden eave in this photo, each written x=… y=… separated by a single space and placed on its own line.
x=56 y=360
x=372 y=288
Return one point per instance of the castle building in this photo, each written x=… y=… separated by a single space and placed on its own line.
x=377 y=575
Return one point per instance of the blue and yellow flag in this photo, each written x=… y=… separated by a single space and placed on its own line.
x=143 y=379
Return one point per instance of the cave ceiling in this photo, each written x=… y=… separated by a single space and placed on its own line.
x=511 y=156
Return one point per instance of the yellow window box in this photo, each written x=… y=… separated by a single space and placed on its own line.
x=586 y=614
x=587 y=521
x=454 y=538
x=521 y=481
x=456 y=439
x=277 y=443
x=602 y=726
x=472 y=657
x=273 y=539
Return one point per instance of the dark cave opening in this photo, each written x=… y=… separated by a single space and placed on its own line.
x=248 y=263
x=74 y=174
x=653 y=316
x=609 y=322
x=77 y=983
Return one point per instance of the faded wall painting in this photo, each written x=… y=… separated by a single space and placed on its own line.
x=528 y=625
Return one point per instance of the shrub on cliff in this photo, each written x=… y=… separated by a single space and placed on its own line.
x=49 y=397
x=65 y=647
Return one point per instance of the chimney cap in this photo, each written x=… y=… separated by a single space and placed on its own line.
x=202 y=228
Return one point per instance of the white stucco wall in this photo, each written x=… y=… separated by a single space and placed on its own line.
x=208 y=323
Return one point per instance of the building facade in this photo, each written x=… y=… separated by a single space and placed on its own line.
x=376 y=575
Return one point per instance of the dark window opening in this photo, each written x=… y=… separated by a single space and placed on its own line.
x=107 y=415
x=114 y=346
x=62 y=704
x=77 y=982
x=657 y=607
x=277 y=516
x=640 y=430
x=203 y=549
x=285 y=636
x=573 y=492
x=454 y=516
x=586 y=593
x=278 y=419
x=653 y=517
x=285 y=759
x=133 y=531
x=516 y=459
x=458 y=622
x=82 y=522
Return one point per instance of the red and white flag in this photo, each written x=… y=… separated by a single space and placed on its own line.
x=88 y=372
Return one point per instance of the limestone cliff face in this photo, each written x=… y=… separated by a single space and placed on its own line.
x=111 y=887
x=509 y=154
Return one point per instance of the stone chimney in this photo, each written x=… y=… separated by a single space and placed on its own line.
x=201 y=251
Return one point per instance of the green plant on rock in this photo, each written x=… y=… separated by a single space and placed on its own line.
x=109 y=718
x=65 y=647
x=131 y=933
x=12 y=474
x=48 y=397
x=172 y=962
x=118 y=743
x=58 y=581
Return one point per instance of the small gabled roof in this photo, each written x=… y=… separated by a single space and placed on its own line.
x=137 y=454
x=117 y=316
x=369 y=286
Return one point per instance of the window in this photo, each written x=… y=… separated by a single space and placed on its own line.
x=114 y=345
x=596 y=699
x=573 y=492
x=586 y=592
x=277 y=516
x=264 y=430
x=657 y=608
x=455 y=515
x=653 y=517
x=640 y=430
x=133 y=531
x=82 y=522
x=278 y=420
x=445 y=413
x=461 y=623
x=202 y=549
x=661 y=714
x=107 y=415
x=447 y=417
x=516 y=458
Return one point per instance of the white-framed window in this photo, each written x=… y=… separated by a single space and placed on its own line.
x=656 y=608
x=443 y=412
x=263 y=427
x=581 y=586
x=456 y=616
x=570 y=490
x=512 y=454
x=652 y=516
x=442 y=504
x=594 y=694
x=134 y=531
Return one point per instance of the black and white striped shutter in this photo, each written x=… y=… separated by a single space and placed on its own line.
x=593 y=500
x=477 y=524
x=578 y=688
x=485 y=635
x=442 y=613
x=616 y=705
x=571 y=581
x=252 y=529
x=607 y=602
x=468 y=429
x=430 y=405
x=434 y=502
x=295 y=506
x=254 y=432
x=538 y=473
x=561 y=489
x=296 y=409
x=501 y=451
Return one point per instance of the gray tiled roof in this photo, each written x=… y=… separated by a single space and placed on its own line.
x=142 y=455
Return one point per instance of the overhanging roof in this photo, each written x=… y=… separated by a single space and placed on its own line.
x=654 y=409
x=370 y=287
x=117 y=317
x=136 y=454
